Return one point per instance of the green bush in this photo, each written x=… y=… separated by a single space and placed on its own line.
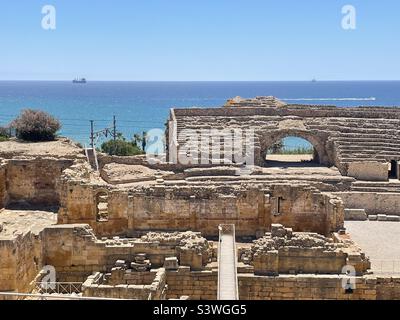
x=120 y=147
x=4 y=134
x=36 y=125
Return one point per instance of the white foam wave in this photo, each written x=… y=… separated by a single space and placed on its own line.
x=329 y=99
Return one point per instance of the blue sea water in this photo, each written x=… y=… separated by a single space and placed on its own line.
x=140 y=106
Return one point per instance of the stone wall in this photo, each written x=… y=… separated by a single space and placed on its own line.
x=203 y=286
x=339 y=135
x=372 y=202
x=369 y=171
x=140 y=289
x=76 y=253
x=283 y=251
x=252 y=207
x=199 y=285
x=35 y=181
x=304 y=287
x=3 y=184
x=21 y=260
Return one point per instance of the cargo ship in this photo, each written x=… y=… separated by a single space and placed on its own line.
x=79 y=80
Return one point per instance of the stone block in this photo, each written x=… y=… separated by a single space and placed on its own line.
x=355 y=214
x=171 y=263
x=382 y=217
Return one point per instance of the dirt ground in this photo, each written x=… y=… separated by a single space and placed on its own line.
x=13 y=222
x=290 y=157
x=61 y=148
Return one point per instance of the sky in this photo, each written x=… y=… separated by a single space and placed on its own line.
x=200 y=40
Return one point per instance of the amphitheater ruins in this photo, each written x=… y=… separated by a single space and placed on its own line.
x=130 y=228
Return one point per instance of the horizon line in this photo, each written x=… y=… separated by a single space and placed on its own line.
x=51 y=80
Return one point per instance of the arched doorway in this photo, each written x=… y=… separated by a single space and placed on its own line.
x=292 y=150
x=294 y=147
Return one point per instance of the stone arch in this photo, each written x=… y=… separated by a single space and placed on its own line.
x=101 y=205
x=317 y=140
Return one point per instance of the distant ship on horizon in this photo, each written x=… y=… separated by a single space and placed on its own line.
x=314 y=80
x=79 y=80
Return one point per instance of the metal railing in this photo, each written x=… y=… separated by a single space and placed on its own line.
x=385 y=266
x=9 y=295
x=60 y=288
x=227 y=229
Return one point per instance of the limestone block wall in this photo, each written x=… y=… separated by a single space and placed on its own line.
x=339 y=135
x=76 y=253
x=369 y=171
x=199 y=285
x=78 y=205
x=296 y=260
x=372 y=202
x=388 y=288
x=21 y=260
x=203 y=286
x=3 y=184
x=168 y=207
x=141 y=288
x=303 y=287
x=305 y=210
x=35 y=181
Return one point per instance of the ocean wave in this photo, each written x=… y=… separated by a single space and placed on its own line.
x=329 y=99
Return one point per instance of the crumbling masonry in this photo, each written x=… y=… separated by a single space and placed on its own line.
x=146 y=230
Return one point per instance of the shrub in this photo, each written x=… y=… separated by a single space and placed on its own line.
x=35 y=125
x=4 y=134
x=120 y=147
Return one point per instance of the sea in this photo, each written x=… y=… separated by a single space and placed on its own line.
x=141 y=106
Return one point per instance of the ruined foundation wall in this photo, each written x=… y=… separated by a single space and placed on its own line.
x=3 y=185
x=200 y=285
x=142 y=288
x=202 y=208
x=203 y=286
x=21 y=260
x=35 y=181
x=372 y=202
x=76 y=253
x=303 y=287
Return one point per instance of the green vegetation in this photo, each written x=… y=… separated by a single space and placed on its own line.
x=35 y=125
x=279 y=148
x=121 y=147
x=298 y=150
x=4 y=134
x=276 y=148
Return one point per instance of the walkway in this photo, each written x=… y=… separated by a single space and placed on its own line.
x=227 y=264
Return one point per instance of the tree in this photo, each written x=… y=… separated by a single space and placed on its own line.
x=140 y=140
x=35 y=125
x=4 y=134
x=120 y=147
x=277 y=147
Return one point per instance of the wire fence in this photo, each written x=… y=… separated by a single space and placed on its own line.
x=386 y=266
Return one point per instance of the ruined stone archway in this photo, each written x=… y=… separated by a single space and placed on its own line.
x=318 y=141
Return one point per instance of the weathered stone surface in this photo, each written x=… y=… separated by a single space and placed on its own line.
x=283 y=251
x=355 y=214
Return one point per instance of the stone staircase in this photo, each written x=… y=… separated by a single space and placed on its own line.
x=358 y=134
x=365 y=186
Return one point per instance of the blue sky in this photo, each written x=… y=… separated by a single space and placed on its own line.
x=200 y=40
